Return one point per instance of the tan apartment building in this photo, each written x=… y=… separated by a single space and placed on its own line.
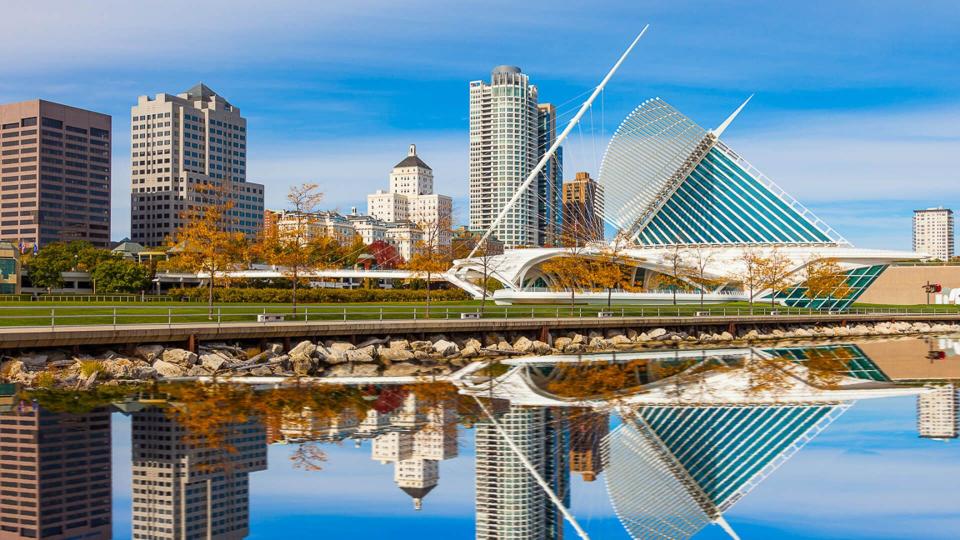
x=189 y=151
x=582 y=209
x=55 y=475
x=933 y=232
x=54 y=174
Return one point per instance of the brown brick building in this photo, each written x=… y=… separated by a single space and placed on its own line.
x=582 y=210
x=54 y=475
x=54 y=174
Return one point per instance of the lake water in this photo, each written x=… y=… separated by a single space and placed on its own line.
x=852 y=440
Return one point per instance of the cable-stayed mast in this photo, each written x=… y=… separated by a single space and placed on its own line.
x=556 y=144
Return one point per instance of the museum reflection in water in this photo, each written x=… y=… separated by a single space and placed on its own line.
x=683 y=437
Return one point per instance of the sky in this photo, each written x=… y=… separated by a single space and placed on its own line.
x=856 y=113
x=866 y=476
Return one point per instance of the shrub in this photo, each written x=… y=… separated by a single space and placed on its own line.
x=331 y=296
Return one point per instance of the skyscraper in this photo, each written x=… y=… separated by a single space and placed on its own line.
x=189 y=151
x=184 y=489
x=62 y=465
x=55 y=174
x=504 y=139
x=550 y=178
x=582 y=209
x=933 y=232
x=510 y=503
x=587 y=430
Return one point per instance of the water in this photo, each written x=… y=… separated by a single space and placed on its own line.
x=771 y=442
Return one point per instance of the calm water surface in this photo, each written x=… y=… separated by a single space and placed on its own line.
x=840 y=441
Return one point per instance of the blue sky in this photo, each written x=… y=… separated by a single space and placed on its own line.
x=856 y=110
x=868 y=475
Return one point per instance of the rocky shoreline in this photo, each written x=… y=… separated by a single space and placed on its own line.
x=438 y=355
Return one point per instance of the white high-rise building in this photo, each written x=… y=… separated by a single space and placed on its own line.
x=938 y=413
x=933 y=232
x=188 y=151
x=510 y=131
x=411 y=200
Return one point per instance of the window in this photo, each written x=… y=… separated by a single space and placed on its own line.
x=50 y=122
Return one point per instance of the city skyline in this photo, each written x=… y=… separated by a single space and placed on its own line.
x=844 y=108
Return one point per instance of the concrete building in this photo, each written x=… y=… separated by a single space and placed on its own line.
x=504 y=148
x=56 y=475
x=550 y=180
x=582 y=209
x=510 y=503
x=411 y=199
x=933 y=232
x=55 y=174
x=405 y=237
x=938 y=413
x=184 y=489
x=369 y=228
x=587 y=430
x=189 y=151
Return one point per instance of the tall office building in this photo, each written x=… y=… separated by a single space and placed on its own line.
x=56 y=475
x=510 y=502
x=582 y=209
x=189 y=151
x=587 y=430
x=184 y=489
x=550 y=179
x=55 y=174
x=508 y=131
x=938 y=413
x=933 y=232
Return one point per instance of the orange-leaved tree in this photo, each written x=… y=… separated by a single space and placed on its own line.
x=431 y=254
x=825 y=281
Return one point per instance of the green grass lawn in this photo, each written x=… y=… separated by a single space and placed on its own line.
x=86 y=313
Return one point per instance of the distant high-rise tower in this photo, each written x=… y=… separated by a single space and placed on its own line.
x=55 y=175
x=582 y=210
x=933 y=232
x=504 y=149
x=587 y=430
x=185 y=489
x=189 y=151
x=510 y=503
x=938 y=412
x=57 y=481
x=550 y=179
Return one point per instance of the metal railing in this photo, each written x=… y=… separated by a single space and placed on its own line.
x=60 y=316
x=92 y=298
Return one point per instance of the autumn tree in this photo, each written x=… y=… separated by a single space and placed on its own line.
x=568 y=272
x=385 y=256
x=678 y=269
x=825 y=281
x=775 y=273
x=431 y=254
x=700 y=259
x=206 y=243
x=486 y=257
x=750 y=274
x=285 y=245
x=608 y=274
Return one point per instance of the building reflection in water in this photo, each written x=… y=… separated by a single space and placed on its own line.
x=186 y=489
x=55 y=477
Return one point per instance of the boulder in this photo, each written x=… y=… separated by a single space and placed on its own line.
x=574 y=348
x=148 y=352
x=197 y=371
x=144 y=372
x=342 y=370
x=121 y=368
x=212 y=362
x=597 y=342
x=725 y=336
x=391 y=354
x=399 y=344
x=365 y=370
x=540 y=347
x=401 y=370
x=578 y=338
x=523 y=345
x=275 y=348
x=657 y=333
x=168 y=369
x=620 y=340
x=561 y=343
x=304 y=348
x=426 y=346
x=261 y=371
x=34 y=361
x=179 y=357
x=359 y=355
x=445 y=348
x=470 y=351
x=473 y=343
x=304 y=365
x=340 y=347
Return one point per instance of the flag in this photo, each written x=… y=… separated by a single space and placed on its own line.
x=23 y=249
x=36 y=248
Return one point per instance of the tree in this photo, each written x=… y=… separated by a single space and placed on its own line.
x=205 y=243
x=47 y=266
x=678 y=270
x=825 y=281
x=608 y=274
x=285 y=247
x=750 y=275
x=116 y=274
x=486 y=257
x=700 y=261
x=568 y=272
x=385 y=256
x=774 y=273
x=431 y=254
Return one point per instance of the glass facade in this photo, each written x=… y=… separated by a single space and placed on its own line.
x=858 y=364
x=858 y=280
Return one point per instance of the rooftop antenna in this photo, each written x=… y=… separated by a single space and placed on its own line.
x=726 y=123
x=556 y=144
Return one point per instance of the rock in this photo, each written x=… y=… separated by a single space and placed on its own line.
x=445 y=348
x=179 y=357
x=561 y=343
x=399 y=344
x=168 y=369
x=632 y=334
x=263 y=357
x=401 y=370
x=197 y=371
x=642 y=337
x=752 y=334
x=473 y=343
x=34 y=361
x=597 y=342
x=359 y=355
x=13 y=370
x=656 y=333
x=426 y=346
x=725 y=336
x=365 y=370
x=144 y=373
x=391 y=354
x=523 y=345
x=574 y=348
x=339 y=347
x=421 y=355
x=304 y=365
x=578 y=338
x=506 y=347
x=470 y=350
x=121 y=368
x=540 y=347
x=304 y=348
x=212 y=362
x=342 y=370
x=261 y=371
x=275 y=348
x=148 y=352
x=620 y=340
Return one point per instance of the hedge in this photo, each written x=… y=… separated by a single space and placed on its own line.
x=307 y=295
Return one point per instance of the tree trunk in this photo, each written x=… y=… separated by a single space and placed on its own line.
x=210 y=297
x=609 y=297
x=295 y=276
x=429 y=275
x=674 y=291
